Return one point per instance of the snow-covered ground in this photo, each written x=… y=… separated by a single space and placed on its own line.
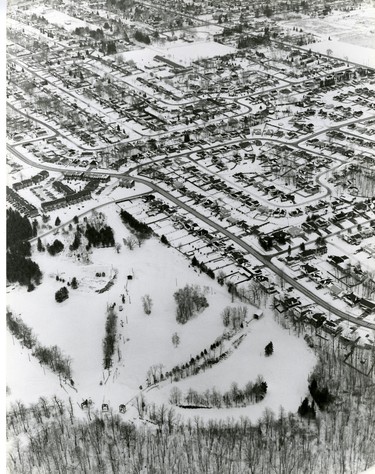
x=348 y=35
x=184 y=53
x=354 y=27
x=285 y=373
x=61 y=19
x=351 y=52
x=76 y=326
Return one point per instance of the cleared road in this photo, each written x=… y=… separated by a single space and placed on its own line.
x=266 y=260
x=262 y=258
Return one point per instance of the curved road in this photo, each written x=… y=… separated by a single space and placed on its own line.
x=266 y=260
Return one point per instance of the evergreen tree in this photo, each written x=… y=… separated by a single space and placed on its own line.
x=62 y=294
x=55 y=248
x=40 y=246
x=164 y=240
x=268 y=350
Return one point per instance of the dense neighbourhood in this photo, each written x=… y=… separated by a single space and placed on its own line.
x=226 y=143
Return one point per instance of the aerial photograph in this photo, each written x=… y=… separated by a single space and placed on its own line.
x=190 y=237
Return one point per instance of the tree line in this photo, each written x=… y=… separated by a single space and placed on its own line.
x=212 y=398
x=141 y=230
x=52 y=356
x=109 y=340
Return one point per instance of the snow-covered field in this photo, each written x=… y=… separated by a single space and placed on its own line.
x=61 y=19
x=351 y=52
x=348 y=35
x=284 y=372
x=354 y=27
x=184 y=53
x=76 y=326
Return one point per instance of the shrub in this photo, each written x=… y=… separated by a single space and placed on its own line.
x=62 y=294
x=55 y=248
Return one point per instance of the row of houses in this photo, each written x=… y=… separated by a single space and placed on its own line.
x=67 y=200
x=19 y=203
x=31 y=181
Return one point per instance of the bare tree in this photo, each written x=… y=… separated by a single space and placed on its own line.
x=147 y=304
x=175 y=339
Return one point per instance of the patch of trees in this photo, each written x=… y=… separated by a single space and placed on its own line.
x=235 y=397
x=142 y=37
x=18 y=228
x=62 y=294
x=108 y=47
x=22 y=270
x=203 y=267
x=228 y=31
x=52 y=357
x=190 y=300
x=109 y=340
x=252 y=41
x=234 y=317
x=55 y=248
x=97 y=34
x=306 y=410
x=76 y=242
x=99 y=238
x=321 y=396
x=142 y=231
x=19 y=268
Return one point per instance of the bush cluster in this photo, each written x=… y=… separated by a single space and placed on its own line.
x=62 y=294
x=55 y=248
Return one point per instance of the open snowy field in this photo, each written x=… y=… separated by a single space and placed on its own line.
x=284 y=372
x=355 y=27
x=61 y=19
x=77 y=327
x=184 y=53
x=351 y=52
